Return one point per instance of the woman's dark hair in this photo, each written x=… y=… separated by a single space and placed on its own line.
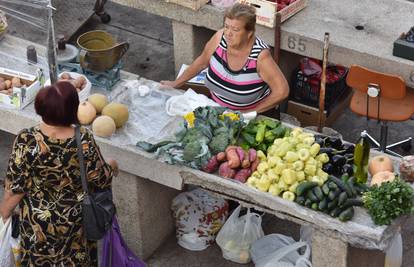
x=58 y=104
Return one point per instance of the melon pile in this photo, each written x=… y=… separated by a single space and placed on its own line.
x=112 y=115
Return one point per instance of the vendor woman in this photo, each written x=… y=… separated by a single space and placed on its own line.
x=242 y=74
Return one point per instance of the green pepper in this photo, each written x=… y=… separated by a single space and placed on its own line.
x=271 y=124
x=261 y=129
x=279 y=131
x=269 y=136
x=250 y=139
x=245 y=146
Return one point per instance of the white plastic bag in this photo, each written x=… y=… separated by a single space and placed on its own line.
x=6 y=255
x=238 y=234
x=280 y=250
x=182 y=104
x=393 y=255
x=198 y=217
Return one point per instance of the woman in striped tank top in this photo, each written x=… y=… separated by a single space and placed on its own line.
x=242 y=74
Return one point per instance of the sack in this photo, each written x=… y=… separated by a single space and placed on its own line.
x=115 y=253
x=97 y=212
x=280 y=250
x=6 y=255
x=198 y=217
x=98 y=208
x=238 y=234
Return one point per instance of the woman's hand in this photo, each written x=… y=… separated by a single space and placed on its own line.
x=114 y=166
x=168 y=84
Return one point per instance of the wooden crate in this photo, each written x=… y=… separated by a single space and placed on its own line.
x=266 y=11
x=309 y=116
x=192 y=4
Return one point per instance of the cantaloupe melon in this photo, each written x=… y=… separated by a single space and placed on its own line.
x=103 y=126
x=86 y=113
x=99 y=101
x=118 y=112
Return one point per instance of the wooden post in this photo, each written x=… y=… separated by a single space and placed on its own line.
x=276 y=50
x=323 y=82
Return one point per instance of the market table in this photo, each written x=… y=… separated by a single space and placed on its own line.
x=382 y=22
x=145 y=187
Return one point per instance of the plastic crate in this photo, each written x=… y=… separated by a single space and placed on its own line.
x=305 y=89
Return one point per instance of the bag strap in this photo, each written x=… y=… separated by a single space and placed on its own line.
x=81 y=160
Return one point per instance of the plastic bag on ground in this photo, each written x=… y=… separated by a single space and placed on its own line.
x=198 y=217
x=393 y=255
x=238 y=234
x=280 y=250
x=6 y=255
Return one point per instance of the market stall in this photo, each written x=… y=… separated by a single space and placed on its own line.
x=146 y=222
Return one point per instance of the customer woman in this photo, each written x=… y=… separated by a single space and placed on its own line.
x=242 y=74
x=43 y=178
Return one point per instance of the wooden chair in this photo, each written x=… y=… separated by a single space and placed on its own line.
x=382 y=97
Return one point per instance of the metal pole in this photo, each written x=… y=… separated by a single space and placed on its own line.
x=321 y=121
x=51 y=46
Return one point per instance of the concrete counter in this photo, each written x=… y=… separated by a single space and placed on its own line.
x=382 y=21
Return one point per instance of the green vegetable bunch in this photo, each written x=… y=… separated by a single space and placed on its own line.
x=260 y=133
x=389 y=201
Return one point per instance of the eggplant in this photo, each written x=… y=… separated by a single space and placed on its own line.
x=320 y=139
x=349 y=148
x=334 y=142
x=349 y=158
x=328 y=168
x=348 y=169
x=338 y=161
x=328 y=150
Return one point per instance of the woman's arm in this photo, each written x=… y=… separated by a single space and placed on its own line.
x=200 y=63
x=9 y=202
x=271 y=74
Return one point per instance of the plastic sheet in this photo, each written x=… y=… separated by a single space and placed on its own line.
x=148 y=120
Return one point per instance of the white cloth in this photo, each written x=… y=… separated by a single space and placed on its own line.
x=6 y=255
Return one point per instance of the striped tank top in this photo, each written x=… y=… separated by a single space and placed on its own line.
x=237 y=90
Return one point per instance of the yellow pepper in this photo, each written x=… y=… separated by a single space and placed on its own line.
x=190 y=118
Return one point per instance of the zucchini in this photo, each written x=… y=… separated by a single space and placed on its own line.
x=350 y=202
x=308 y=203
x=347 y=214
x=305 y=186
x=332 y=186
x=323 y=204
x=343 y=196
x=343 y=186
x=335 y=212
x=333 y=194
x=300 y=200
x=310 y=195
x=332 y=204
x=325 y=189
x=318 y=192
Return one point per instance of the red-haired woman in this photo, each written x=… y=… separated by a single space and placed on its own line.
x=43 y=178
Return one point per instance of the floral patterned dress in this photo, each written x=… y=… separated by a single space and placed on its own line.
x=47 y=171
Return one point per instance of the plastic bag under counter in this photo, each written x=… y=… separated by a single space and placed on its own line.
x=147 y=120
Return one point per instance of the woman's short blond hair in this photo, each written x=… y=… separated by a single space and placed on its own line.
x=244 y=12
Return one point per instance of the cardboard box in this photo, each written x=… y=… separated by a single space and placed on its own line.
x=196 y=83
x=309 y=116
x=192 y=4
x=23 y=96
x=403 y=48
x=266 y=11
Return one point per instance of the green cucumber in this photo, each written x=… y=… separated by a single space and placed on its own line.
x=332 y=204
x=310 y=195
x=335 y=212
x=302 y=188
x=351 y=184
x=333 y=194
x=308 y=203
x=347 y=214
x=351 y=202
x=325 y=189
x=300 y=200
x=343 y=196
x=343 y=186
x=318 y=192
x=332 y=186
x=314 y=206
x=323 y=204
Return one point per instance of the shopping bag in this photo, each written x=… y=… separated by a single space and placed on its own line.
x=238 y=234
x=280 y=250
x=115 y=252
x=199 y=216
x=6 y=255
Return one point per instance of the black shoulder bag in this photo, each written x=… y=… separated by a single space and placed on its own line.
x=98 y=208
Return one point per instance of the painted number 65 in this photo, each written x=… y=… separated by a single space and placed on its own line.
x=298 y=44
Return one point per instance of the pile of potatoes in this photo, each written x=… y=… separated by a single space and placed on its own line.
x=6 y=85
x=79 y=83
